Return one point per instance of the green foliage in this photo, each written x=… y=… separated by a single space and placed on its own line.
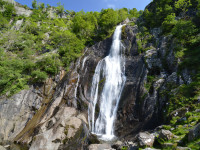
x=122 y=14
x=184 y=29
x=182 y=6
x=12 y=77
x=84 y=25
x=124 y=148
x=156 y=17
x=134 y=13
x=3 y=22
x=169 y=23
x=8 y=10
x=49 y=64
x=38 y=76
x=108 y=20
x=34 y=4
x=60 y=8
x=42 y=45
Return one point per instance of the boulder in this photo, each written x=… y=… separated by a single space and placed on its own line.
x=194 y=133
x=2 y=148
x=166 y=134
x=183 y=148
x=168 y=145
x=150 y=149
x=18 y=24
x=92 y=139
x=22 y=11
x=145 y=139
x=117 y=145
x=100 y=147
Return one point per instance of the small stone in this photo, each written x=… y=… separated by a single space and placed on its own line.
x=172 y=129
x=100 y=147
x=117 y=145
x=167 y=145
x=197 y=110
x=130 y=143
x=166 y=134
x=150 y=149
x=183 y=148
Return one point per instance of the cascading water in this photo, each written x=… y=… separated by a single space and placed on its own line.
x=111 y=72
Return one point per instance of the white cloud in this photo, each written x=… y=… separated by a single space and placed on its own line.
x=111 y=6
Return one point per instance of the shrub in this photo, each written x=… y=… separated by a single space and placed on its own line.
x=184 y=29
x=38 y=76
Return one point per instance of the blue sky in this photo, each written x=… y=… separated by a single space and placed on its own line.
x=92 y=5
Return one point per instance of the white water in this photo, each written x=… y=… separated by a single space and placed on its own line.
x=111 y=72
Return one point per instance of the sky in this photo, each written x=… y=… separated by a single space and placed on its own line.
x=92 y=5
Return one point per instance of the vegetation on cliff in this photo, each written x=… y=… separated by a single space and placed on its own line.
x=179 y=21
x=37 y=46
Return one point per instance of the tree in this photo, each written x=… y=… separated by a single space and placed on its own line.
x=42 y=5
x=133 y=13
x=184 y=29
x=60 y=8
x=169 y=23
x=122 y=14
x=34 y=4
x=183 y=5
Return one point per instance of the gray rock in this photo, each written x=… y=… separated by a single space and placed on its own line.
x=145 y=139
x=23 y=105
x=2 y=148
x=117 y=144
x=66 y=126
x=183 y=148
x=150 y=149
x=100 y=147
x=166 y=134
x=186 y=76
x=197 y=110
x=194 y=133
x=10 y=1
x=152 y=59
x=172 y=78
x=22 y=11
x=126 y=21
x=168 y=145
x=18 y=24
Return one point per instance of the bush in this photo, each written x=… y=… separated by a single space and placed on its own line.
x=39 y=76
x=169 y=23
x=49 y=64
x=184 y=29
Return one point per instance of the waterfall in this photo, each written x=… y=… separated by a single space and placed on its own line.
x=107 y=85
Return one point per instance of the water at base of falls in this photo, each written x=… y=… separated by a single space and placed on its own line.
x=111 y=72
